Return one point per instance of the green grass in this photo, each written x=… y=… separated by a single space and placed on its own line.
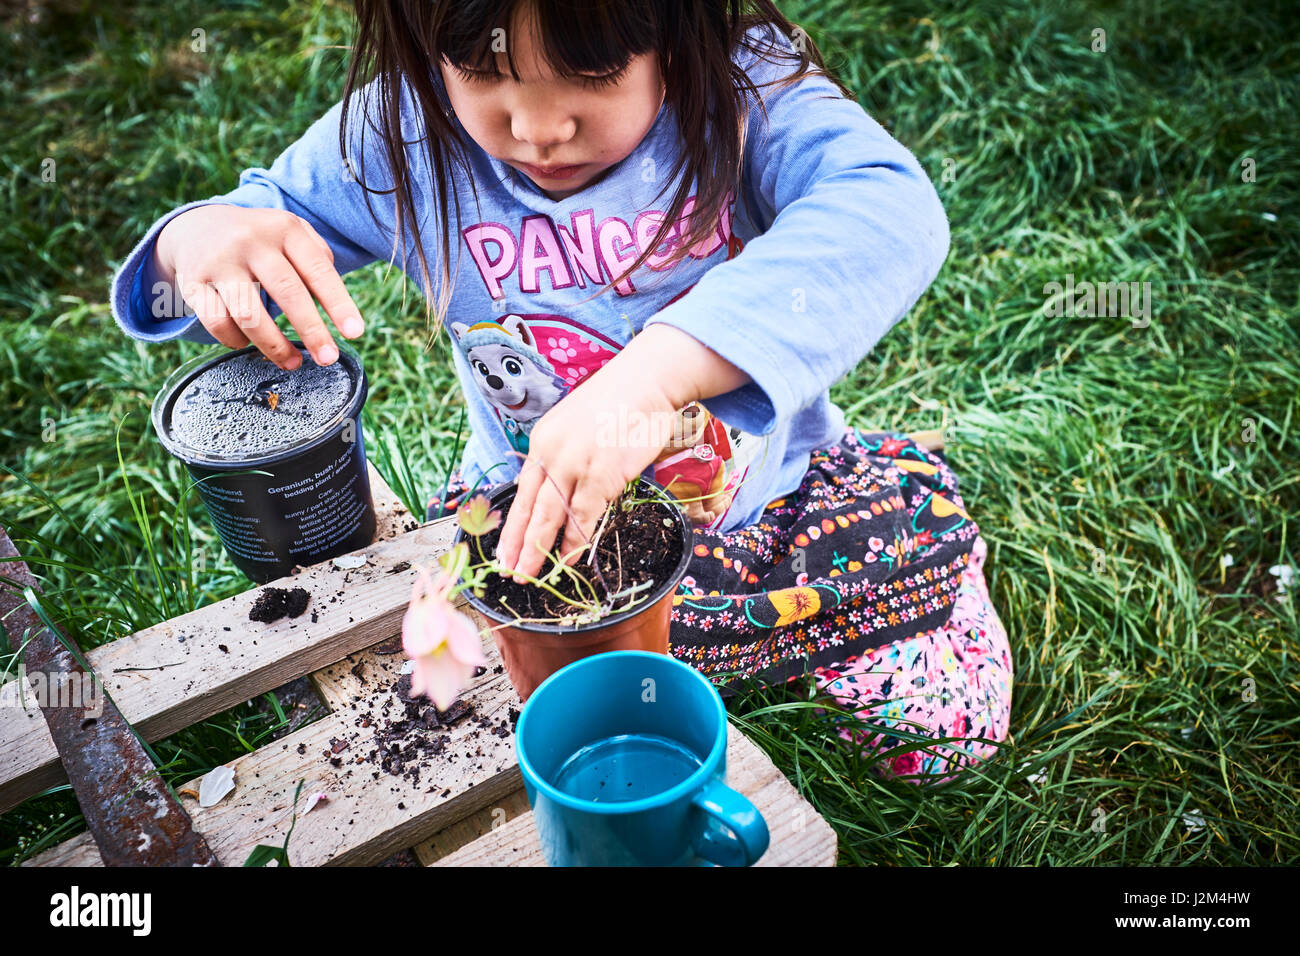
x=1110 y=467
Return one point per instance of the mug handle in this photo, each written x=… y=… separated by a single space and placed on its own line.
x=746 y=837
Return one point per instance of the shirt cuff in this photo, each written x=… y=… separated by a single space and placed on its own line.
x=760 y=404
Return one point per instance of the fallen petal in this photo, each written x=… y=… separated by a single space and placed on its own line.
x=215 y=785
x=314 y=799
x=349 y=562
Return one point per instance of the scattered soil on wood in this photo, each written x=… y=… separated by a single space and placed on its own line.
x=636 y=545
x=404 y=739
x=275 y=603
x=399 y=738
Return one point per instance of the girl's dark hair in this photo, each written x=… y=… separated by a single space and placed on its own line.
x=402 y=42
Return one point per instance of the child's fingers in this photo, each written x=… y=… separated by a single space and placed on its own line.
x=205 y=300
x=588 y=506
x=548 y=516
x=512 y=532
x=313 y=259
x=244 y=303
x=281 y=280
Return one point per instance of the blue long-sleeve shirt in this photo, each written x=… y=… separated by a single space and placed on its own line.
x=839 y=233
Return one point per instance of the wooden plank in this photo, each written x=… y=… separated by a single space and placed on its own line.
x=366 y=819
x=392 y=519
x=342 y=683
x=448 y=841
x=104 y=759
x=929 y=440
x=800 y=837
x=79 y=850
x=369 y=814
x=175 y=674
x=502 y=834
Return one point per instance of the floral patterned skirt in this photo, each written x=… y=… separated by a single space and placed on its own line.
x=869 y=576
x=953 y=682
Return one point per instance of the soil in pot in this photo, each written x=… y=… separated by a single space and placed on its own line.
x=638 y=545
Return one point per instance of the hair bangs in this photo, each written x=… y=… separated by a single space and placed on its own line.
x=574 y=36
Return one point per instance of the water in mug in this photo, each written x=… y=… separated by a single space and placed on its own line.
x=626 y=767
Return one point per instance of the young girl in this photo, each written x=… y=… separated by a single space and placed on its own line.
x=673 y=232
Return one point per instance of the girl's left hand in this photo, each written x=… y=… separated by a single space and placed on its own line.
x=591 y=443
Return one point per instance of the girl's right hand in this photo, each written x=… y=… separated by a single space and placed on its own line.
x=221 y=256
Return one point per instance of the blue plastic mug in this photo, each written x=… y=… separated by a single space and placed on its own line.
x=624 y=759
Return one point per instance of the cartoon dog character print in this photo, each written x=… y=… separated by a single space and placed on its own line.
x=511 y=373
x=691 y=464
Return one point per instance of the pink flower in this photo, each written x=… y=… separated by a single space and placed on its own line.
x=443 y=642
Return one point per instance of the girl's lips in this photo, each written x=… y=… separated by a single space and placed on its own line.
x=551 y=172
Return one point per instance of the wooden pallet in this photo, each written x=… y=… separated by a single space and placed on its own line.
x=468 y=808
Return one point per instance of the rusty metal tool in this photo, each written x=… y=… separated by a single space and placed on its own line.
x=133 y=816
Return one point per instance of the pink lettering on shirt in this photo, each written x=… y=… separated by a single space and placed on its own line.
x=580 y=245
x=492 y=270
x=615 y=258
x=584 y=252
x=541 y=251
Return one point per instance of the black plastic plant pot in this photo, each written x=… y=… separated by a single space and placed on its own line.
x=533 y=651
x=278 y=457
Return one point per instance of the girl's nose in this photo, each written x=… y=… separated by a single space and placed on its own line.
x=542 y=128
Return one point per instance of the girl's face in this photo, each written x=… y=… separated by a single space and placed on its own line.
x=562 y=132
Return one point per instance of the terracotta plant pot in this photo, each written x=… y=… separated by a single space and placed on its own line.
x=532 y=652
